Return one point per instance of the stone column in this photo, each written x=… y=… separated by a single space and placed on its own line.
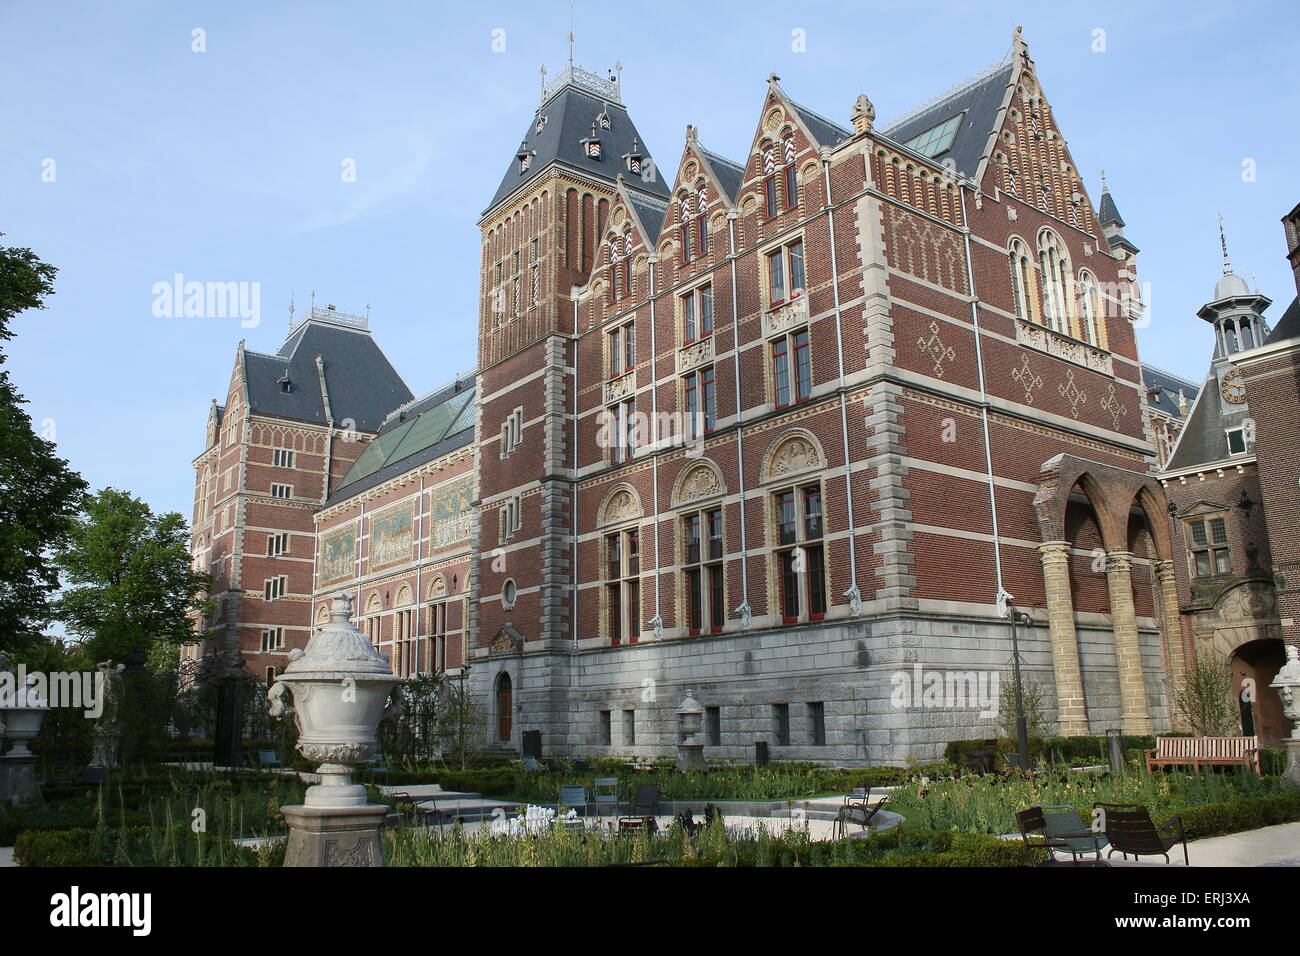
x=1072 y=713
x=1128 y=656
x=1175 y=659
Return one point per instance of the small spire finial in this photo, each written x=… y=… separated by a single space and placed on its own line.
x=1104 y=187
x=1223 y=243
x=570 y=34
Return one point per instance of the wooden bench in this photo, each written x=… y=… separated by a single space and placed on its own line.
x=1214 y=751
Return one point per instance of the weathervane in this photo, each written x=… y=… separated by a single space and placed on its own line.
x=1223 y=242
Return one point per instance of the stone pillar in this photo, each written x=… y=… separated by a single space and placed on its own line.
x=1128 y=655
x=1072 y=713
x=1175 y=660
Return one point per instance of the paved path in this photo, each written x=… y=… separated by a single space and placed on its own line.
x=1271 y=846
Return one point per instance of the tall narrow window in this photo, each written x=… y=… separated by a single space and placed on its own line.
x=776 y=277
x=1088 y=311
x=1056 y=270
x=769 y=195
x=620 y=430
x=791 y=177
x=702 y=573
x=801 y=557
x=791 y=368
x=700 y=402
x=623 y=584
x=785 y=272
x=1022 y=282
x=697 y=313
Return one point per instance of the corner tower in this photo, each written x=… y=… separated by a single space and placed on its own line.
x=541 y=240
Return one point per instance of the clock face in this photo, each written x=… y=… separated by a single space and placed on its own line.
x=1232 y=388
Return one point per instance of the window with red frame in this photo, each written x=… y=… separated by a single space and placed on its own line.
x=801 y=554
x=623 y=585
x=702 y=571
x=785 y=272
x=701 y=402
x=697 y=313
x=791 y=369
x=622 y=349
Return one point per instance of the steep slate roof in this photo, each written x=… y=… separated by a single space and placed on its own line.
x=1108 y=212
x=569 y=115
x=1203 y=437
x=1288 y=326
x=730 y=175
x=651 y=213
x=978 y=98
x=824 y=131
x=429 y=428
x=362 y=383
x=1163 y=388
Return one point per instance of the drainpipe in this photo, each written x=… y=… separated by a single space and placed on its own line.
x=984 y=400
x=573 y=516
x=853 y=594
x=653 y=260
x=740 y=431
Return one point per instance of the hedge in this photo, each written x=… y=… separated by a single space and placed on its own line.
x=1234 y=816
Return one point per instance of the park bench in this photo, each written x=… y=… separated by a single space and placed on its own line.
x=1213 y=751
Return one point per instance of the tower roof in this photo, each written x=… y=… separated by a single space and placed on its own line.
x=361 y=382
x=570 y=115
x=1107 y=211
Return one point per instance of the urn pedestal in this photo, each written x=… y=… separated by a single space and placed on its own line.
x=1287 y=685
x=341 y=689
x=690 y=742
x=21 y=718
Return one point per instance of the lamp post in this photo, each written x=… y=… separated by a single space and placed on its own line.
x=342 y=688
x=1022 y=725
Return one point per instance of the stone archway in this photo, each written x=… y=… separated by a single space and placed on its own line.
x=1113 y=494
x=1253 y=665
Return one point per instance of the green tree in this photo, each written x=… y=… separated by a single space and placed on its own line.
x=1204 y=699
x=128 y=582
x=462 y=725
x=39 y=493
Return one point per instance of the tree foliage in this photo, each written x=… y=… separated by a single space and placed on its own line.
x=39 y=493
x=128 y=579
x=1204 y=700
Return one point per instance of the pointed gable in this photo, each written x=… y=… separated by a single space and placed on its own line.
x=579 y=109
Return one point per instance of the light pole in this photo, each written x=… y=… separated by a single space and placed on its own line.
x=1022 y=725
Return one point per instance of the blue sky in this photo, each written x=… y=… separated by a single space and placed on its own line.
x=226 y=165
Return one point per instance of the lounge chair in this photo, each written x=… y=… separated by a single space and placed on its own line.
x=1034 y=832
x=646 y=801
x=1130 y=829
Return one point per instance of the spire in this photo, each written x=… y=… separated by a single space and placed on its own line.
x=1107 y=211
x=570 y=34
x=1223 y=244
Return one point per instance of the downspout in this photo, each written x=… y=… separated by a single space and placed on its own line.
x=853 y=594
x=573 y=517
x=419 y=567
x=984 y=401
x=652 y=261
x=740 y=431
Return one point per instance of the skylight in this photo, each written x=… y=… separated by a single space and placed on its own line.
x=936 y=139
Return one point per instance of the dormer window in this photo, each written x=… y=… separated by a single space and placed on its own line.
x=591 y=145
x=603 y=120
x=1237 y=444
x=633 y=159
x=284 y=383
x=524 y=157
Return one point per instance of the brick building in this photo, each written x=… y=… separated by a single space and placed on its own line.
x=1231 y=485
x=779 y=429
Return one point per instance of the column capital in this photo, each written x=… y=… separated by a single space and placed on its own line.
x=1054 y=549
x=1119 y=560
x=1164 y=567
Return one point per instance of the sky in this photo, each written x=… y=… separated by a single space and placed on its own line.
x=134 y=149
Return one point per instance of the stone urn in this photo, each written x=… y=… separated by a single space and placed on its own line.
x=690 y=745
x=1287 y=685
x=341 y=689
x=21 y=716
x=22 y=711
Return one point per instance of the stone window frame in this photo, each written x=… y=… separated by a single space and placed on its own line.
x=793 y=476
x=683 y=386
x=701 y=509
x=269 y=645
x=1214 y=548
x=1055 y=282
x=693 y=292
x=282 y=457
x=765 y=252
x=1027 y=301
x=628 y=583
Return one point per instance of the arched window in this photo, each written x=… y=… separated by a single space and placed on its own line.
x=791 y=175
x=1089 y=309
x=626 y=272
x=684 y=216
x=1055 y=267
x=702 y=221
x=1022 y=281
